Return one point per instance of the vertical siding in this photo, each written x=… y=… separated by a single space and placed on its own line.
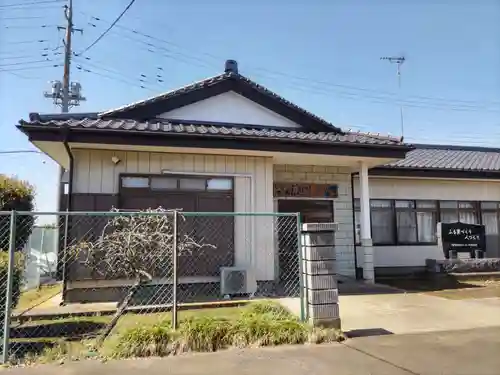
x=344 y=240
x=96 y=173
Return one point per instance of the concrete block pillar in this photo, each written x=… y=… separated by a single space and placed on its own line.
x=320 y=278
x=366 y=237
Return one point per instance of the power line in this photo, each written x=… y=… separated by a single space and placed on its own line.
x=15 y=5
x=25 y=63
x=29 y=27
x=391 y=96
x=109 y=28
x=31 y=67
x=116 y=79
x=21 y=152
x=349 y=95
x=298 y=77
x=28 y=41
x=95 y=64
x=28 y=56
x=22 y=18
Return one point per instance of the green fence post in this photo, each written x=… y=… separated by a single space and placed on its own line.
x=301 y=269
x=175 y=277
x=8 y=291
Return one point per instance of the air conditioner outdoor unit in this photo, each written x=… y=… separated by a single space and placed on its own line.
x=237 y=280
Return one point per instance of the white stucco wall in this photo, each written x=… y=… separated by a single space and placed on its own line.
x=344 y=241
x=435 y=189
x=232 y=108
x=253 y=191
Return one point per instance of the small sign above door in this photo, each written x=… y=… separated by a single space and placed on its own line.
x=290 y=190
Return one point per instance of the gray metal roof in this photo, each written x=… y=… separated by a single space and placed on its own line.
x=166 y=127
x=453 y=158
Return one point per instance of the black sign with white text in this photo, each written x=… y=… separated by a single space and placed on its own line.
x=461 y=237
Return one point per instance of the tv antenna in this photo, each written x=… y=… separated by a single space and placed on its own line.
x=398 y=60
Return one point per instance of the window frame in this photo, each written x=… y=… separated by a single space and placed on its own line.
x=394 y=222
x=476 y=209
x=178 y=189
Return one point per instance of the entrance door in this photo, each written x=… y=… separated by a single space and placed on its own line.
x=311 y=211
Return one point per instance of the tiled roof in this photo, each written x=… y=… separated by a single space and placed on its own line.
x=165 y=127
x=456 y=158
x=227 y=76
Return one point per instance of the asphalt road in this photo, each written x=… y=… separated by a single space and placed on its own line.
x=466 y=352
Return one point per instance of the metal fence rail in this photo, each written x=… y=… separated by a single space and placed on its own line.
x=148 y=264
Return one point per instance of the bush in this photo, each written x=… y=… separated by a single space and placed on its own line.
x=16 y=282
x=205 y=334
x=259 y=324
x=272 y=308
x=15 y=195
x=266 y=330
x=157 y=340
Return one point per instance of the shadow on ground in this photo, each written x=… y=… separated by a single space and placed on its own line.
x=367 y=332
x=72 y=330
x=351 y=288
x=427 y=284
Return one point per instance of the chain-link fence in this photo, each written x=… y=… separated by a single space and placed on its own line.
x=143 y=267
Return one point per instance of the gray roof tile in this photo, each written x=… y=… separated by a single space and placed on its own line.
x=214 y=130
x=439 y=157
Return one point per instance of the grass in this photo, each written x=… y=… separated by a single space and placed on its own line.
x=449 y=287
x=34 y=297
x=259 y=324
x=202 y=330
x=65 y=335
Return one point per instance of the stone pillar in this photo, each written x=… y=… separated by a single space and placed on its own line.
x=320 y=278
x=366 y=236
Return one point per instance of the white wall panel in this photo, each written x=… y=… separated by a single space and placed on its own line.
x=96 y=173
x=433 y=189
x=232 y=108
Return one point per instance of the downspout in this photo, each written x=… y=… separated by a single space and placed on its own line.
x=69 y=201
x=353 y=209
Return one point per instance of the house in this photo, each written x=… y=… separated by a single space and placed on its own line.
x=224 y=144
x=433 y=183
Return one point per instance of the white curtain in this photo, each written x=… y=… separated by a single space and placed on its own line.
x=382 y=227
x=427 y=222
x=407 y=226
x=468 y=217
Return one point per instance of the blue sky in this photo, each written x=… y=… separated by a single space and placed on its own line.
x=322 y=55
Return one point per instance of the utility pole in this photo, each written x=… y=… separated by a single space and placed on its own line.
x=398 y=61
x=65 y=94
x=68 y=13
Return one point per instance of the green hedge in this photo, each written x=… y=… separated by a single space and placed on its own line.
x=16 y=195
x=16 y=282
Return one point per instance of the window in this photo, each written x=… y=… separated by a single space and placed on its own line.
x=400 y=222
x=192 y=184
x=427 y=219
x=489 y=216
x=135 y=182
x=357 y=220
x=158 y=183
x=406 y=221
x=465 y=212
x=382 y=222
x=163 y=183
x=219 y=184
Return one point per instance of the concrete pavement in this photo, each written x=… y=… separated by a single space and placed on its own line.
x=390 y=310
x=463 y=352
x=413 y=312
